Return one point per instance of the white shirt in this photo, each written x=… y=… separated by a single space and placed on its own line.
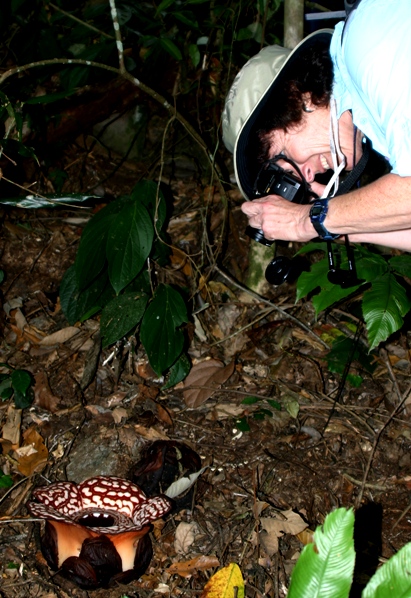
x=372 y=76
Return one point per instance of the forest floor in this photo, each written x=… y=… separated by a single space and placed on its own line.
x=312 y=445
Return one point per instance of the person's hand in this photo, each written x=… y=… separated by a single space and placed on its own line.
x=280 y=219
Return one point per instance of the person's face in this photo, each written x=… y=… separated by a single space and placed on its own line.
x=308 y=144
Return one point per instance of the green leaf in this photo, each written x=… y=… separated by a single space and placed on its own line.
x=194 y=54
x=1 y=276
x=178 y=371
x=159 y=332
x=242 y=424
x=91 y=254
x=274 y=404
x=121 y=315
x=151 y=197
x=309 y=281
x=129 y=242
x=21 y=380
x=6 y=481
x=342 y=350
x=369 y=265
x=171 y=48
x=251 y=400
x=312 y=246
x=13 y=145
x=393 y=579
x=401 y=264
x=51 y=97
x=325 y=569
x=76 y=304
x=6 y=390
x=163 y=5
x=330 y=294
x=384 y=306
x=186 y=18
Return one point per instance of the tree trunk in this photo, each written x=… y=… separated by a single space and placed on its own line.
x=293 y=22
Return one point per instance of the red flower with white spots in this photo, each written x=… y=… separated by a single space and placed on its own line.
x=97 y=531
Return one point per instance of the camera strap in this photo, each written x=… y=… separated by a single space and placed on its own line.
x=358 y=169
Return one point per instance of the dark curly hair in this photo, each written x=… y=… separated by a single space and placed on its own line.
x=312 y=73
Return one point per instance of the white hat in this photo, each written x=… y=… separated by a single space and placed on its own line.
x=253 y=88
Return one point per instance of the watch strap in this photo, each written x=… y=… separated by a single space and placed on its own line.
x=318 y=212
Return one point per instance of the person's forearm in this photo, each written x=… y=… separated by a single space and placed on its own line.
x=382 y=206
x=396 y=239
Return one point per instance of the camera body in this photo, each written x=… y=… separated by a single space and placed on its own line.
x=274 y=180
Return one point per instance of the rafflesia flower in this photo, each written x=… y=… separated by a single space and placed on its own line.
x=97 y=532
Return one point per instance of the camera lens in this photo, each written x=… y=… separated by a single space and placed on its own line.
x=257 y=235
x=278 y=270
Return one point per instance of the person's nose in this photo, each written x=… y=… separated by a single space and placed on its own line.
x=308 y=172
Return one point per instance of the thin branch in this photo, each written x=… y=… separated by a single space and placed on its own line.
x=84 y=23
x=374 y=448
x=271 y=304
x=122 y=72
x=117 y=32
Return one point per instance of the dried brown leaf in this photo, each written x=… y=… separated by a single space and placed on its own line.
x=11 y=429
x=33 y=454
x=185 y=536
x=203 y=379
x=150 y=433
x=275 y=527
x=43 y=396
x=187 y=568
x=61 y=336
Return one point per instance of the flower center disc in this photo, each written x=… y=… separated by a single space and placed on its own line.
x=96 y=519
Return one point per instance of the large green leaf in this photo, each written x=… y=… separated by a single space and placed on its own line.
x=309 y=281
x=393 y=579
x=178 y=371
x=330 y=294
x=21 y=381
x=325 y=569
x=76 y=304
x=369 y=265
x=152 y=198
x=159 y=332
x=384 y=306
x=401 y=264
x=170 y=47
x=91 y=254
x=121 y=315
x=129 y=242
x=317 y=278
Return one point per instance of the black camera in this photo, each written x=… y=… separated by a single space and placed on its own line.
x=274 y=180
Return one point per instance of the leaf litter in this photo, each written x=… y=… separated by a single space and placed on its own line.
x=262 y=489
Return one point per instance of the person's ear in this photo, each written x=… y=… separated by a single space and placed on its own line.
x=308 y=105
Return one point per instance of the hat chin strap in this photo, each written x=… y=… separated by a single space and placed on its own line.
x=338 y=158
x=339 y=161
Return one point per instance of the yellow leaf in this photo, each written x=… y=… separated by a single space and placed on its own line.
x=226 y=583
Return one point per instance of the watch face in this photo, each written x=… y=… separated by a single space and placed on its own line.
x=317 y=210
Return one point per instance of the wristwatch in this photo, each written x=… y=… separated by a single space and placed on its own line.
x=318 y=212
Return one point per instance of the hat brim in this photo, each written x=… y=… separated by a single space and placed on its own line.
x=246 y=164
